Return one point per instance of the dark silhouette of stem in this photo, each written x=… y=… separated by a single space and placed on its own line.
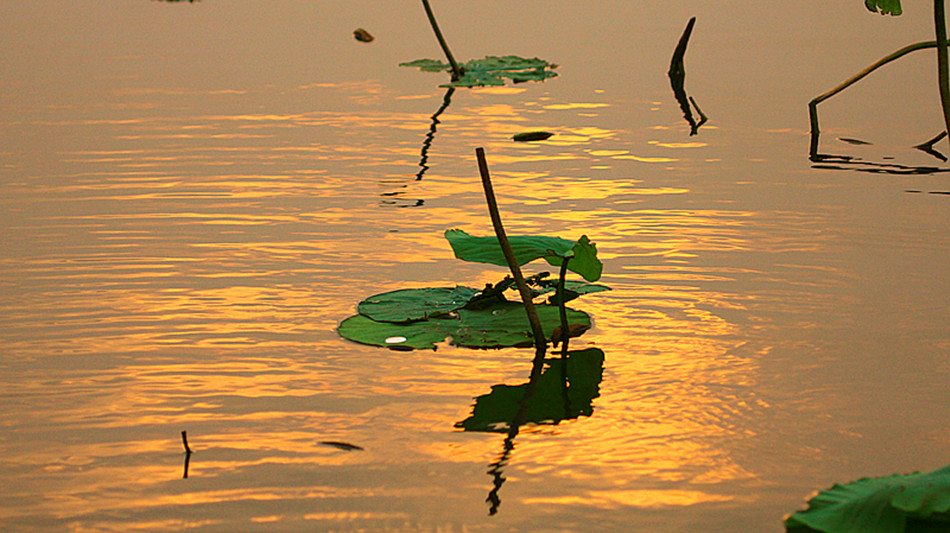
x=677 y=74
x=562 y=309
x=928 y=147
x=943 y=66
x=540 y=343
x=188 y=452
x=184 y=440
x=427 y=143
x=456 y=70
x=496 y=469
x=813 y=105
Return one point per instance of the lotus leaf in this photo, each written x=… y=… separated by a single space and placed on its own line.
x=892 y=504
x=408 y=305
x=491 y=70
x=886 y=7
x=499 y=325
x=527 y=249
x=495 y=411
x=583 y=261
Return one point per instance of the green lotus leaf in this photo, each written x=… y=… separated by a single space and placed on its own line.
x=886 y=7
x=547 y=405
x=487 y=249
x=491 y=70
x=528 y=248
x=584 y=260
x=408 y=305
x=892 y=504
x=499 y=325
x=426 y=65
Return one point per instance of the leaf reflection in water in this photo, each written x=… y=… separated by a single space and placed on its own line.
x=557 y=390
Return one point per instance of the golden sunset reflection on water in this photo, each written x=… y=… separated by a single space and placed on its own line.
x=194 y=196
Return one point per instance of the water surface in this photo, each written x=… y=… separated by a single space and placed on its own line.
x=193 y=196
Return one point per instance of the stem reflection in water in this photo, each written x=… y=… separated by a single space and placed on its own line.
x=427 y=143
x=557 y=389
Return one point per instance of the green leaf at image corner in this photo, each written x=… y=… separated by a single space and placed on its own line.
x=893 y=504
x=885 y=7
x=528 y=248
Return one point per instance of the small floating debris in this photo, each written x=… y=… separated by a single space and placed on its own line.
x=362 y=35
x=396 y=340
x=341 y=445
x=853 y=141
x=533 y=136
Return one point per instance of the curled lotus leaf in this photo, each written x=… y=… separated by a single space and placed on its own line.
x=527 y=248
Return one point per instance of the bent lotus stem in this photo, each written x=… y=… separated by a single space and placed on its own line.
x=456 y=70
x=540 y=343
x=813 y=104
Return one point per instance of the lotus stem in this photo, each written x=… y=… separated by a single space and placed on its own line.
x=813 y=104
x=456 y=70
x=540 y=343
x=562 y=310
x=943 y=65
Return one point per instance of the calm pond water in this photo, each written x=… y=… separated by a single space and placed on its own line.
x=193 y=196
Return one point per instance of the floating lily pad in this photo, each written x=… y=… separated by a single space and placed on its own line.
x=530 y=136
x=548 y=404
x=528 y=248
x=408 y=305
x=893 y=504
x=491 y=70
x=500 y=325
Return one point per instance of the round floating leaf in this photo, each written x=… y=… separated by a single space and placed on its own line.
x=420 y=335
x=500 y=325
x=408 y=305
x=505 y=324
x=878 y=505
